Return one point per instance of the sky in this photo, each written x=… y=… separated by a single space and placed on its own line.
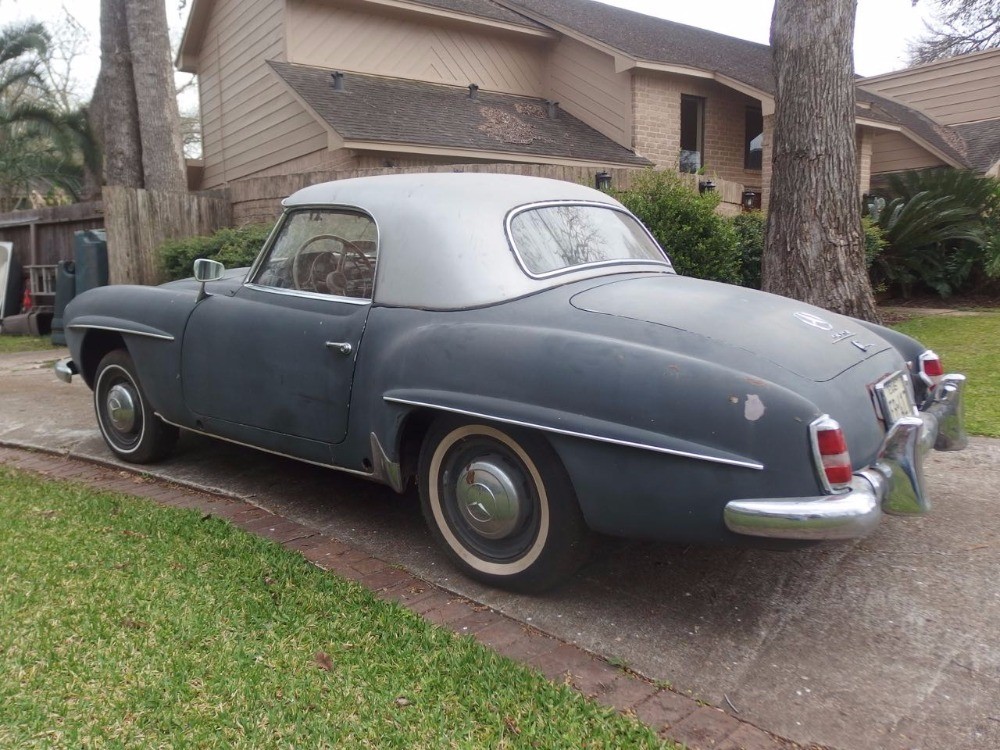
x=883 y=27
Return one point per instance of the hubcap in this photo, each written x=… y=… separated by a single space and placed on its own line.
x=121 y=407
x=488 y=497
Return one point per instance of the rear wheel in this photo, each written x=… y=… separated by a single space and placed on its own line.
x=127 y=422
x=501 y=505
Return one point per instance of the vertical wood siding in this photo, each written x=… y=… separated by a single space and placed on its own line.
x=964 y=89
x=583 y=80
x=249 y=121
x=400 y=46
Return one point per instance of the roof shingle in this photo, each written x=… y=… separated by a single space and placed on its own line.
x=395 y=110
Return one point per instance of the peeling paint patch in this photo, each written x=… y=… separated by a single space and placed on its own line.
x=734 y=400
x=754 y=408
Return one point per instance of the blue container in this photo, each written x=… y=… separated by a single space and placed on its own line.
x=65 y=291
x=90 y=252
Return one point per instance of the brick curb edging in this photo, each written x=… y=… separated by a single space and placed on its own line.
x=673 y=716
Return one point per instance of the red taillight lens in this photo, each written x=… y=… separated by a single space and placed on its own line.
x=832 y=456
x=931 y=369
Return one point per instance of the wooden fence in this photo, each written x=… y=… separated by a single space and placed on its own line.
x=44 y=236
x=139 y=221
x=258 y=199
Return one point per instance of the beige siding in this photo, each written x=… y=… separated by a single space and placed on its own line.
x=250 y=123
x=583 y=80
x=657 y=115
x=893 y=152
x=964 y=89
x=407 y=46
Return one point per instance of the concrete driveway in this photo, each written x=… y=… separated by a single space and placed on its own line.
x=890 y=642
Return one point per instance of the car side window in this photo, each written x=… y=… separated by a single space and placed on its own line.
x=328 y=251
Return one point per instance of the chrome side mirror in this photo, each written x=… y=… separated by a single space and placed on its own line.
x=206 y=270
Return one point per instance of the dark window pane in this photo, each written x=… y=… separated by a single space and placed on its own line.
x=692 y=133
x=753 y=151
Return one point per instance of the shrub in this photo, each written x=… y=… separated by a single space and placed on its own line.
x=749 y=228
x=939 y=230
x=235 y=247
x=700 y=242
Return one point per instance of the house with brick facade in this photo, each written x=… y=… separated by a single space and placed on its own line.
x=292 y=86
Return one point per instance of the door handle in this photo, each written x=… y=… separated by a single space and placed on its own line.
x=341 y=347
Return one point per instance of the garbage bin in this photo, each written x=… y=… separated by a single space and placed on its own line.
x=90 y=252
x=65 y=291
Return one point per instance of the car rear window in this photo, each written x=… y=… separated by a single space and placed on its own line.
x=552 y=238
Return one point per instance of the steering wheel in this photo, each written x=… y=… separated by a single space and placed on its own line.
x=310 y=279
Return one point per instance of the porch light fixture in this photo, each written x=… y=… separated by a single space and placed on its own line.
x=749 y=200
x=602 y=181
x=706 y=186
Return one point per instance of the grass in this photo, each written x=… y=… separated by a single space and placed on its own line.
x=124 y=624
x=968 y=344
x=11 y=344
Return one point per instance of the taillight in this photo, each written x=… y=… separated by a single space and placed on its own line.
x=833 y=461
x=931 y=369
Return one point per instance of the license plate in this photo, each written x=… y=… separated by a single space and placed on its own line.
x=895 y=399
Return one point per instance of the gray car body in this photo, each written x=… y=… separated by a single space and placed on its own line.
x=664 y=397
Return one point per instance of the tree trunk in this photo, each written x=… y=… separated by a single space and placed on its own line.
x=158 y=116
x=114 y=105
x=815 y=249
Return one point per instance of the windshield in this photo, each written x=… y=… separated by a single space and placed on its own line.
x=551 y=238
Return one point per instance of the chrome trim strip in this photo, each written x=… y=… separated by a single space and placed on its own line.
x=513 y=213
x=355 y=472
x=162 y=336
x=308 y=295
x=583 y=435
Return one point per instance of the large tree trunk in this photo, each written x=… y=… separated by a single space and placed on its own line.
x=114 y=105
x=815 y=249
x=159 y=119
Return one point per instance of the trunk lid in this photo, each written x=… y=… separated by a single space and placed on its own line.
x=811 y=342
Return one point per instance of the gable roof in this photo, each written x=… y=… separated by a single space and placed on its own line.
x=373 y=110
x=943 y=141
x=656 y=40
x=982 y=141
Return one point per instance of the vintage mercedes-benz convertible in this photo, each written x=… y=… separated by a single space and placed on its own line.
x=524 y=351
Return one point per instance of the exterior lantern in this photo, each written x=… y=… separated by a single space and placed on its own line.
x=602 y=181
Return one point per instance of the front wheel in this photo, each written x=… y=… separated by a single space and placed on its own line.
x=501 y=505
x=129 y=426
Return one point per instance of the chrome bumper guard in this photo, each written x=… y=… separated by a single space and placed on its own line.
x=894 y=483
x=66 y=369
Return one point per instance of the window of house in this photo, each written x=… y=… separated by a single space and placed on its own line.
x=692 y=133
x=753 y=146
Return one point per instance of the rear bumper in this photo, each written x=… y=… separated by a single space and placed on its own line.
x=894 y=483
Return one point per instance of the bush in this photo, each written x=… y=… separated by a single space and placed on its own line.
x=699 y=241
x=234 y=247
x=940 y=229
x=750 y=238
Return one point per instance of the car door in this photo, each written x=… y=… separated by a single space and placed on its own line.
x=278 y=355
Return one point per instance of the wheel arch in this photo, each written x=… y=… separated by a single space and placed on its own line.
x=96 y=344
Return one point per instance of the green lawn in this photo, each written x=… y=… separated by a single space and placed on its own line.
x=124 y=624
x=968 y=344
x=10 y=344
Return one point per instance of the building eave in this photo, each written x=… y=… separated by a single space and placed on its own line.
x=511 y=156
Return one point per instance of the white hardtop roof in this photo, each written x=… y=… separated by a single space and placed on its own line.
x=442 y=236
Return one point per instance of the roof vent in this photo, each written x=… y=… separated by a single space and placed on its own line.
x=553 y=109
x=473 y=91
x=338 y=81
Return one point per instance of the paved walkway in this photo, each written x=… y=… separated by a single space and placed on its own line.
x=673 y=716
